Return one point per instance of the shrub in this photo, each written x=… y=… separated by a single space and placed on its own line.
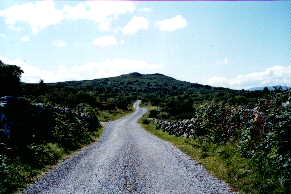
x=10 y=75
x=153 y=113
x=145 y=121
x=262 y=136
x=46 y=154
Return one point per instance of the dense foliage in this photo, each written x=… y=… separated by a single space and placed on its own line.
x=9 y=79
x=49 y=120
x=261 y=134
x=176 y=98
x=40 y=128
x=36 y=135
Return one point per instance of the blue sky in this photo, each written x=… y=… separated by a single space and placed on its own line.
x=229 y=44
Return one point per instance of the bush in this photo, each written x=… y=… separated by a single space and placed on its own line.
x=145 y=121
x=153 y=113
x=268 y=144
x=46 y=154
x=262 y=136
x=10 y=75
x=39 y=135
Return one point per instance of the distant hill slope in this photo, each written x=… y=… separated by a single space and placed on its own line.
x=141 y=83
x=270 y=88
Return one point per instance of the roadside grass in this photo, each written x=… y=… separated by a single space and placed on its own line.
x=22 y=173
x=223 y=161
x=145 y=104
x=105 y=116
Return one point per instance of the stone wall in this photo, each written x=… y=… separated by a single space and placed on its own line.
x=12 y=104
x=225 y=123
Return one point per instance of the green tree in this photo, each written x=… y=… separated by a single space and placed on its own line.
x=266 y=90
x=9 y=79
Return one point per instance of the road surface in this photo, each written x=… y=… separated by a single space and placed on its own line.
x=128 y=159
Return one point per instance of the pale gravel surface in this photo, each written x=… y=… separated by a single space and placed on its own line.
x=128 y=159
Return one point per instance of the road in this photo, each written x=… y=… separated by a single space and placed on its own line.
x=128 y=159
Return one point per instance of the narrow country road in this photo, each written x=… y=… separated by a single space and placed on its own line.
x=129 y=160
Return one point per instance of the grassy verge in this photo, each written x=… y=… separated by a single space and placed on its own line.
x=105 y=116
x=223 y=161
x=146 y=104
x=22 y=173
x=33 y=174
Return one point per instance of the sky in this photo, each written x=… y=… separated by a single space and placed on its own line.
x=238 y=45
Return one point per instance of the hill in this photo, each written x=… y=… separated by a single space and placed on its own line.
x=141 y=84
x=270 y=88
x=176 y=98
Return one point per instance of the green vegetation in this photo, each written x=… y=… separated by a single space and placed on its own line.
x=177 y=98
x=39 y=136
x=221 y=161
x=41 y=125
x=249 y=148
x=241 y=136
x=9 y=79
x=105 y=116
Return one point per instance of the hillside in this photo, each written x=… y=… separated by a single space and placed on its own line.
x=270 y=88
x=177 y=97
x=232 y=130
x=141 y=83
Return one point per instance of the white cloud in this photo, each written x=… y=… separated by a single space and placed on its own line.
x=2 y=35
x=172 y=24
x=145 y=9
x=59 y=43
x=111 y=67
x=38 y=15
x=41 y=14
x=276 y=75
x=103 y=13
x=92 y=70
x=25 y=38
x=104 y=41
x=31 y=73
x=134 y=25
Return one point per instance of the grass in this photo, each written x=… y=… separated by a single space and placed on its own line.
x=223 y=161
x=21 y=173
x=145 y=104
x=105 y=116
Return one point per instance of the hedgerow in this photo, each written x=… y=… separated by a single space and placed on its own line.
x=262 y=135
x=38 y=135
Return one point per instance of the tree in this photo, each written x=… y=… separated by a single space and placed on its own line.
x=42 y=87
x=266 y=90
x=9 y=79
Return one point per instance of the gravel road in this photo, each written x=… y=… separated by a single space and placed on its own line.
x=128 y=159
